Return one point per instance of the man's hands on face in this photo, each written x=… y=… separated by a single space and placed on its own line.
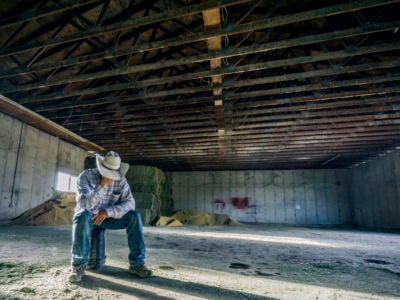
x=105 y=181
x=99 y=217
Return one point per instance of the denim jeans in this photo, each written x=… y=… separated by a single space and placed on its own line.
x=82 y=226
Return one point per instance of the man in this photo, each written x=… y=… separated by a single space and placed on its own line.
x=104 y=201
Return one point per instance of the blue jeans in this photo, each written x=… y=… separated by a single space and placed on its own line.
x=82 y=225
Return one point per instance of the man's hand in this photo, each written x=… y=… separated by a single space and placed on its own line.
x=105 y=181
x=99 y=217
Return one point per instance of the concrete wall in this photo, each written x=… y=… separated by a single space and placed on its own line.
x=368 y=195
x=29 y=160
x=376 y=193
x=301 y=197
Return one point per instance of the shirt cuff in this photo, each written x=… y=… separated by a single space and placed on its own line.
x=110 y=212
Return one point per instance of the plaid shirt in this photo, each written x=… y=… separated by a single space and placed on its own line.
x=116 y=198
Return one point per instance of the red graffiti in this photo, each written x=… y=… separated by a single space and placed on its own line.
x=219 y=204
x=240 y=203
x=236 y=202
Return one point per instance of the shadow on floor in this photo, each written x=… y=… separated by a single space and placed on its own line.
x=170 y=285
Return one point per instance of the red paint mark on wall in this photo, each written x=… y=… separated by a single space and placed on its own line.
x=219 y=204
x=240 y=203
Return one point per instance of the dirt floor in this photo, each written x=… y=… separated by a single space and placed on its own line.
x=208 y=262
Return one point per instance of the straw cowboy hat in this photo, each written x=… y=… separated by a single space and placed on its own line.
x=110 y=165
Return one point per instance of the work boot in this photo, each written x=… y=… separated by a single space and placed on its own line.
x=141 y=271
x=97 y=250
x=76 y=274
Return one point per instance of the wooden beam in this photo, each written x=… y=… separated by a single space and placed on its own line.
x=260 y=25
x=145 y=118
x=131 y=24
x=240 y=51
x=42 y=12
x=21 y=113
x=242 y=83
x=192 y=101
x=272 y=120
x=212 y=21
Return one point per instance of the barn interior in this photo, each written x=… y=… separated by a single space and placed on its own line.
x=282 y=117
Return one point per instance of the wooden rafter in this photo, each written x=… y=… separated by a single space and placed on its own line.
x=211 y=85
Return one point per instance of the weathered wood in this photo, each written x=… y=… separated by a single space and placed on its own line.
x=260 y=25
x=29 y=117
x=207 y=88
x=200 y=58
x=99 y=30
x=312 y=110
x=46 y=11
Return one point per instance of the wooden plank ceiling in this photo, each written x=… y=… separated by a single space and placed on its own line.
x=211 y=85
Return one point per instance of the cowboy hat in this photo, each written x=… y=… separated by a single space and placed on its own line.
x=110 y=166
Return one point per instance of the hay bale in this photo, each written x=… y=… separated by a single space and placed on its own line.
x=145 y=179
x=152 y=191
x=167 y=203
x=146 y=216
x=144 y=200
x=148 y=205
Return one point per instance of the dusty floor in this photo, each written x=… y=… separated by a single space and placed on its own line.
x=210 y=262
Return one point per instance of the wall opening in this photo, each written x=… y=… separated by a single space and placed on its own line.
x=66 y=182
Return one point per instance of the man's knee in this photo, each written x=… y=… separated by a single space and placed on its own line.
x=133 y=214
x=82 y=217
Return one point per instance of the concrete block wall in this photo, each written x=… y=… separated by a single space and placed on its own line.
x=376 y=193
x=29 y=161
x=70 y=158
x=300 y=197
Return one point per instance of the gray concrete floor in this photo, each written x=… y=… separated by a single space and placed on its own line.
x=211 y=262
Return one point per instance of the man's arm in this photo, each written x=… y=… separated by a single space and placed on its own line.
x=87 y=196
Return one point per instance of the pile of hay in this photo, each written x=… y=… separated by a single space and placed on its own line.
x=55 y=211
x=195 y=217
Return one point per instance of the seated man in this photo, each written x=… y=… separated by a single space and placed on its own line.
x=104 y=200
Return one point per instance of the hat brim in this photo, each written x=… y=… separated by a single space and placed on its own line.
x=114 y=175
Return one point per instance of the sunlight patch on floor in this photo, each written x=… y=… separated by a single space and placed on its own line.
x=253 y=237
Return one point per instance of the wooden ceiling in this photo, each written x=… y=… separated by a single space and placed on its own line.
x=211 y=85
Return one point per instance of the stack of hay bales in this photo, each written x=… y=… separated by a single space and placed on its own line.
x=152 y=191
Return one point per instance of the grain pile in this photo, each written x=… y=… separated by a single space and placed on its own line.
x=56 y=211
x=195 y=217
